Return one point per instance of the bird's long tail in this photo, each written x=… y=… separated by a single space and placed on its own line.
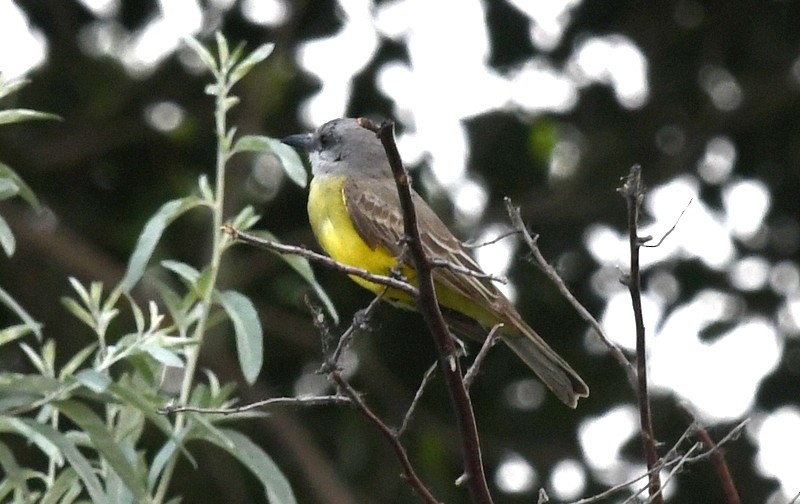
x=546 y=363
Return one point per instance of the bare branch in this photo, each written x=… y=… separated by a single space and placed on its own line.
x=633 y=191
x=552 y=274
x=426 y=378
x=474 y=245
x=475 y=476
x=488 y=343
x=400 y=451
x=281 y=248
x=657 y=244
x=265 y=404
x=441 y=263
x=720 y=465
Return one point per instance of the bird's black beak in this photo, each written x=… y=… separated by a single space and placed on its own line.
x=303 y=141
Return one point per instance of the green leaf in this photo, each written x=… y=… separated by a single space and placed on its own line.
x=303 y=268
x=75 y=458
x=151 y=234
x=25 y=191
x=163 y=355
x=8 y=189
x=23 y=427
x=12 y=469
x=290 y=161
x=20 y=115
x=13 y=333
x=19 y=311
x=188 y=273
x=76 y=360
x=247 y=326
x=164 y=455
x=64 y=489
x=252 y=59
x=104 y=443
x=202 y=53
x=11 y=87
x=276 y=486
x=93 y=380
x=222 y=48
x=205 y=189
x=7 y=240
x=78 y=310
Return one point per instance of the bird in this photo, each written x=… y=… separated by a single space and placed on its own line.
x=355 y=214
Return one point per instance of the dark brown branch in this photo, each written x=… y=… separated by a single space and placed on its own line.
x=552 y=274
x=633 y=192
x=717 y=458
x=266 y=403
x=281 y=248
x=474 y=475
x=388 y=433
x=670 y=462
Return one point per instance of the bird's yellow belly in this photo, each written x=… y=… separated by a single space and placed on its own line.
x=333 y=228
x=335 y=233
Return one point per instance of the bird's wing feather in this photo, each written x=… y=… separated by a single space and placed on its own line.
x=374 y=207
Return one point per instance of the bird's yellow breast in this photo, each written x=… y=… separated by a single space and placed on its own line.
x=333 y=228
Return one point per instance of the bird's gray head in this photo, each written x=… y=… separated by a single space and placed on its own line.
x=342 y=147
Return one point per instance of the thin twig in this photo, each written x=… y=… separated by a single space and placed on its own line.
x=442 y=263
x=670 y=461
x=669 y=232
x=266 y=403
x=552 y=274
x=359 y=320
x=473 y=244
x=718 y=459
x=474 y=475
x=633 y=192
x=488 y=343
x=400 y=451
x=426 y=378
x=321 y=259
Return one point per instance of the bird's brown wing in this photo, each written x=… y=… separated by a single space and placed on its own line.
x=374 y=207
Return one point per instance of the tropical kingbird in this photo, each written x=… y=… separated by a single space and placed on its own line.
x=355 y=213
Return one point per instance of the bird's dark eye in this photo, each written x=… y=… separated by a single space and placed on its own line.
x=325 y=140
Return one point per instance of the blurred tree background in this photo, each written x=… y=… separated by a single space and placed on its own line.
x=549 y=105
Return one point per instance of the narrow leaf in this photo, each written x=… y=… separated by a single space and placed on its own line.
x=25 y=191
x=93 y=380
x=8 y=189
x=65 y=488
x=76 y=459
x=188 y=273
x=11 y=304
x=252 y=59
x=163 y=355
x=20 y=115
x=202 y=53
x=151 y=235
x=77 y=360
x=247 y=326
x=104 y=443
x=7 y=240
x=290 y=161
x=276 y=486
x=303 y=268
x=11 y=87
